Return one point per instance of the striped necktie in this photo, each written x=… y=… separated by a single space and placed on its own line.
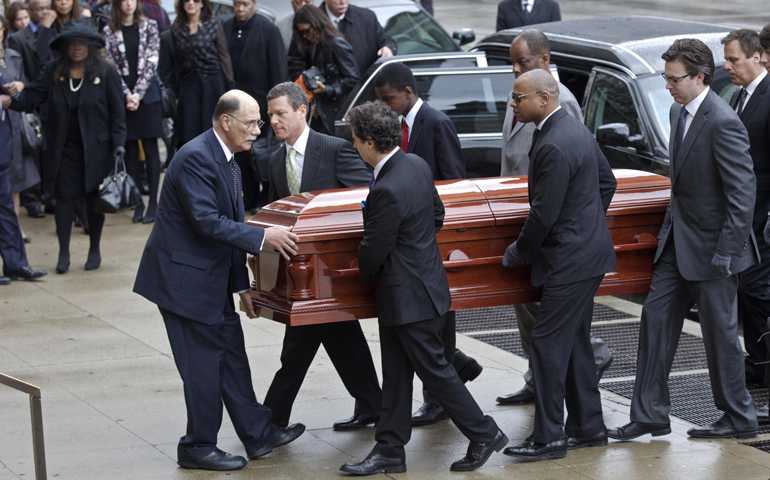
x=291 y=172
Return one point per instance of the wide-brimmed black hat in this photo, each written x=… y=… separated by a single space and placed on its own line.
x=80 y=28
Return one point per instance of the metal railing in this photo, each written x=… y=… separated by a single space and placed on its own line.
x=36 y=412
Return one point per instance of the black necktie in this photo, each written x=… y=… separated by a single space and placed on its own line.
x=534 y=141
x=679 y=131
x=741 y=100
x=235 y=176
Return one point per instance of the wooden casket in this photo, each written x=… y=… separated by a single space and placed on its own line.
x=483 y=216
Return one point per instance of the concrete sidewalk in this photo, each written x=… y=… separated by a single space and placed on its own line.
x=113 y=406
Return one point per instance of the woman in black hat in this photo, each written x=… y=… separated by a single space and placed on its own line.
x=86 y=128
x=202 y=67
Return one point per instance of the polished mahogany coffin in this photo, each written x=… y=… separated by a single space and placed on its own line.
x=483 y=216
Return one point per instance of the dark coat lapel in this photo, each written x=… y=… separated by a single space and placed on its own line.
x=86 y=89
x=392 y=161
x=516 y=7
x=280 y=166
x=700 y=119
x=755 y=99
x=414 y=135
x=224 y=167
x=310 y=162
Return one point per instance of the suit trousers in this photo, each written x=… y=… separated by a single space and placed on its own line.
x=754 y=300
x=417 y=348
x=453 y=355
x=12 y=249
x=212 y=362
x=526 y=314
x=346 y=346
x=562 y=361
x=671 y=296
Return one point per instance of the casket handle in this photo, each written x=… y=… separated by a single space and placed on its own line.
x=644 y=241
x=448 y=264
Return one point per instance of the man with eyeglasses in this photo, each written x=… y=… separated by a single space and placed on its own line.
x=258 y=57
x=531 y=50
x=192 y=266
x=566 y=240
x=705 y=241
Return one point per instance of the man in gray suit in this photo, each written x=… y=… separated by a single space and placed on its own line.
x=531 y=50
x=705 y=241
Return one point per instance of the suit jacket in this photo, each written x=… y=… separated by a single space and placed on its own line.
x=713 y=189
x=756 y=118
x=402 y=214
x=262 y=63
x=517 y=140
x=25 y=42
x=565 y=235
x=147 y=62
x=329 y=163
x=101 y=113
x=362 y=29
x=434 y=139
x=511 y=15
x=338 y=64
x=23 y=173
x=197 y=248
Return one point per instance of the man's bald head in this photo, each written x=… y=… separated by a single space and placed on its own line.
x=543 y=81
x=236 y=120
x=535 y=96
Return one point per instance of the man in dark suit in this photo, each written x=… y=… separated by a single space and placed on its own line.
x=751 y=103
x=193 y=263
x=431 y=135
x=310 y=161
x=704 y=243
x=518 y=13
x=259 y=63
x=530 y=50
x=566 y=239
x=402 y=214
x=362 y=30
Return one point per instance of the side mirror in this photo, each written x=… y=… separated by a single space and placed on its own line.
x=463 y=36
x=619 y=135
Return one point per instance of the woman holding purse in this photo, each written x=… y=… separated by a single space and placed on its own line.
x=86 y=128
x=133 y=44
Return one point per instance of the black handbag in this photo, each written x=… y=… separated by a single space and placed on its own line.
x=31 y=134
x=118 y=190
x=167 y=102
x=312 y=76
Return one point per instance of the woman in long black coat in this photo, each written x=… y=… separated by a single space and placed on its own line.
x=86 y=128
x=316 y=42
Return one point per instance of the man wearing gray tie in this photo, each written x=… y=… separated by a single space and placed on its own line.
x=705 y=241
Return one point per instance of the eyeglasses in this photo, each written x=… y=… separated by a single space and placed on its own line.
x=42 y=9
x=673 y=80
x=250 y=125
x=517 y=98
x=305 y=31
x=187 y=1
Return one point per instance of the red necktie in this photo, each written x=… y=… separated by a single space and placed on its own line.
x=405 y=136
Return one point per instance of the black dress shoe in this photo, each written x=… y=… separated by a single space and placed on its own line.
x=428 y=414
x=50 y=208
x=63 y=264
x=763 y=415
x=5 y=280
x=375 y=463
x=532 y=450
x=602 y=369
x=138 y=213
x=719 y=429
x=634 y=430
x=35 y=212
x=216 y=460
x=93 y=261
x=283 y=435
x=470 y=371
x=479 y=453
x=521 y=397
x=149 y=217
x=26 y=273
x=357 y=421
x=27 y=240
x=597 y=440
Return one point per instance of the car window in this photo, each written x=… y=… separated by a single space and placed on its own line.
x=610 y=101
x=654 y=88
x=413 y=30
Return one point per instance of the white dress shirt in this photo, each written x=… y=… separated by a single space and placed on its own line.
x=300 y=146
x=528 y=4
x=692 y=109
x=335 y=20
x=409 y=118
x=750 y=89
x=379 y=166
x=540 y=125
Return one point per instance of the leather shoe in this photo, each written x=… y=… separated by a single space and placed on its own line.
x=521 y=397
x=470 y=371
x=5 y=280
x=375 y=463
x=532 y=450
x=357 y=422
x=719 y=429
x=428 y=414
x=634 y=430
x=216 y=460
x=283 y=435
x=597 y=440
x=26 y=273
x=479 y=453
x=763 y=414
x=603 y=368
x=35 y=212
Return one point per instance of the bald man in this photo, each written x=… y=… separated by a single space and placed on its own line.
x=566 y=239
x=193 y=263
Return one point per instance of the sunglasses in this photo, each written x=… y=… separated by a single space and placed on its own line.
x=305 y=31
x=517 y=98
x=188 y=1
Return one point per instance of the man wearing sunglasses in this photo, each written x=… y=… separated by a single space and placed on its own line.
x=531 y=50
x=705 y=241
